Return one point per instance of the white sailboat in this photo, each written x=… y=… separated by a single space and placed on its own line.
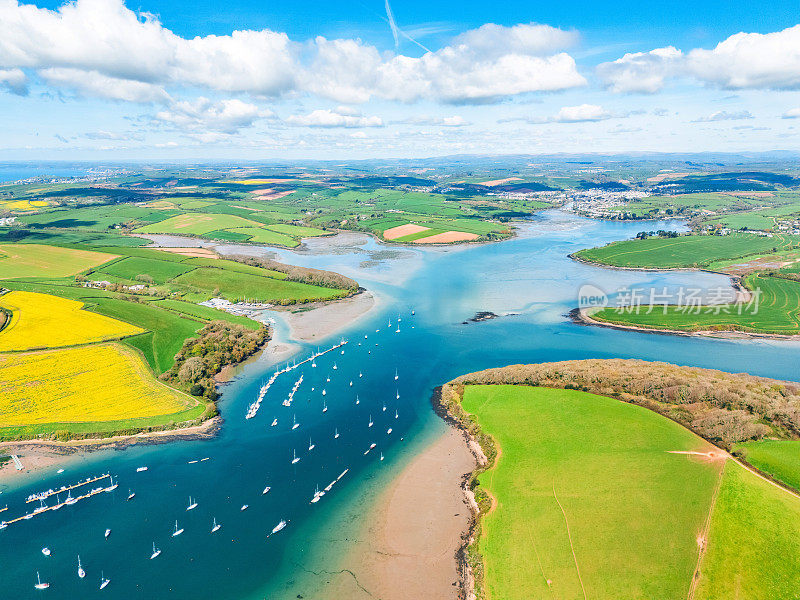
x=177 y=531
x=396 y=375
x=395 y=414
x=336 y=434
x=334 y=366
x=103 y=581
x=351 y=383
x=381 y=455
x=274 y=422
x=311 y=445
x=113 y=485
x=360 y=374
x=370 y=421
x=324 y=406
x=81 y=572
x=384 y=407
x=316 y=497
x=215 y=526
x=192 y=504
x=131 y=494
x=397 y=395
x=357 y=400
x=295 y=424
x=156 y=551
x=40 y=585
x=295 y=459
x=278 y=527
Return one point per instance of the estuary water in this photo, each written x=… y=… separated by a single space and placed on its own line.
x=528 y=281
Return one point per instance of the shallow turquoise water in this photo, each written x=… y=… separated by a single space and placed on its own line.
x=529 y=275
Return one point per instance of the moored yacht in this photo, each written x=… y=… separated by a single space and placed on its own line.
x=295 y=458
x=81 y=572
x=103 y=581
x=336 y=434
x=215 y=526
x=311 y=445
x=40 y=585
x=107 y=533
x=131 y=494
x=177 y=531
x=192 y=504
x=46 y=551
x=156 y=551
x=278 y=527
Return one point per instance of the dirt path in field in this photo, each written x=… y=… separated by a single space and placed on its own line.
x=571 y=546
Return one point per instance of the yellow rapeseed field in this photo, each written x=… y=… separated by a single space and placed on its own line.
x=44 y=321
x=104 y=382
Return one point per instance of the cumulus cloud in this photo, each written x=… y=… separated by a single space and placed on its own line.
x=334 y=118
x=582 y=113
x=792 y=113
x=724 y=115
x=640 y=71
x=131 y=56
x=105 y=38
x=202 y=114
x=742 y=61
x=14 y=81
x=97 y=85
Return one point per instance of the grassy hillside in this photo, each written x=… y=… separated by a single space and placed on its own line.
x=685 y=251
x=753 y=547
x=777 y=311
x=779 y=459
x=588 y=496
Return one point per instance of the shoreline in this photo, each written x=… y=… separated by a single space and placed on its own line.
x=414 y=535
x=582 y=317
x=42 y=454
x=320 y=320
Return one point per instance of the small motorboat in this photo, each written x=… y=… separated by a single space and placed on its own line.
x=108 y=533
x=244 y=507
x=265 y=490
x=46 y=551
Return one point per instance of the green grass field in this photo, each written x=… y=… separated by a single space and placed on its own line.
x=196 y=224
x=235 y=285
x=777 y=311
x=35 y=260
x=779 y=459
x=685 y=251
x=591 y=475
x=753 y=549
x=161 y=271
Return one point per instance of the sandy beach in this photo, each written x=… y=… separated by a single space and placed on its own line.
x=408 y=550
x=314 y=322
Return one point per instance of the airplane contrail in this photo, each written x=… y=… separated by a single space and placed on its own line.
x=396 y=31
x=392 y=24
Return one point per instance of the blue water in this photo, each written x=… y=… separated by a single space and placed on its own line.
x=527 y=279
x=19 y=171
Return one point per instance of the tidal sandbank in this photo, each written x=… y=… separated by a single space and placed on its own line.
x=414 y=533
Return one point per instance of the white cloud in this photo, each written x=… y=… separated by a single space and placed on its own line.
x=110 y=135
x=494 y=41
x=724 y=115
x=454 y=121
x=202 y=114
x=742 y=61
x=582 y=114
x=792 y=113
x=640 y=71
x=14 y=81
x=751 y=60
x=332 y=118
x=94 y=84
x=109 y=44
x=107 y=39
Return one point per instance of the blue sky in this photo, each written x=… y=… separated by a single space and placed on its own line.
x=102 y=79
